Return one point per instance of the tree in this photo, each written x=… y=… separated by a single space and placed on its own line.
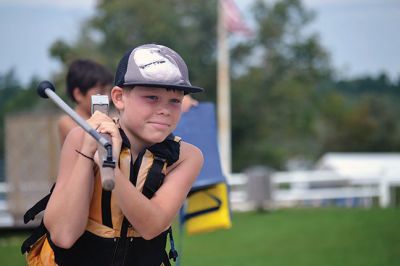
x=186 y=25
x=14 y=98
x=274 y=102
x=9 y=88
x=273 y=110
x=285 y=103
x=364 y=118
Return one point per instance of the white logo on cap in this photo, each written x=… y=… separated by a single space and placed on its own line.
x=156 y=67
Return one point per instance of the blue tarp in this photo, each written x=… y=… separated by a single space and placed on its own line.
x=198 y=127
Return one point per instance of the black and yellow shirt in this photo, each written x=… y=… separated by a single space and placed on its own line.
x=109 y=239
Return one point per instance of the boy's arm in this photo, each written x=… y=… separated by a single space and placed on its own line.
x=151 y=217
x=65 y=125
x=67 y=211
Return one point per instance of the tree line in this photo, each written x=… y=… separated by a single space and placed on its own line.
x=287 y=101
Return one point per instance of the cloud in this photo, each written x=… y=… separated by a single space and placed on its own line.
x=317 y=3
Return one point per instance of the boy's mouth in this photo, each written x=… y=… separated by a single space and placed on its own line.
x=158 y=124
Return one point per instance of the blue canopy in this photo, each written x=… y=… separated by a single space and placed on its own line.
x=198 y=127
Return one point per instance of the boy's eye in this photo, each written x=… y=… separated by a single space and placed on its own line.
x=177 y=101
x=153 y=98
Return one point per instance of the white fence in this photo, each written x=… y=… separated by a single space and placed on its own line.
x=315 y=188
x=3 y=192
x=5 y=217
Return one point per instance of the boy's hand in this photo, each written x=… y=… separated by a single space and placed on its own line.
x=111 y=128
x=104 y=125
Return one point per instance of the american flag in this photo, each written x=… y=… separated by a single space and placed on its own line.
x=233 y=19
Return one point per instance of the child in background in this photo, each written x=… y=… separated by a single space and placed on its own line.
x=84 y=79
x=188 y=102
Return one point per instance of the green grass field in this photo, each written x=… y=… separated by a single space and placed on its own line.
x=326 y=237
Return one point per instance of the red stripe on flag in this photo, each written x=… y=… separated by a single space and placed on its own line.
x=233 y=20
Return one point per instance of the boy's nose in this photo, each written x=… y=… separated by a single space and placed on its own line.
x=164 y=109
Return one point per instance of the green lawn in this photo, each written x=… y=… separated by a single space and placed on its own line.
x=323 y=237
x=10 y=254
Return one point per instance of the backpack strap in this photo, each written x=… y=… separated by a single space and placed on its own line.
x=155 y=177
x=168 y=149
x=39 y=231
x=165 y=154
x=154 y=180
x=38 y=207
x=173 y=254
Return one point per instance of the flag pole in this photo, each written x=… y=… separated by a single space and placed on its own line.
x=223 y=93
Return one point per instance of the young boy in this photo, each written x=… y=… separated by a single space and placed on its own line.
x=84 y=79
x=129 y=226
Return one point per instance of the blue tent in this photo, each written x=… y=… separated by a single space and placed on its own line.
x=207 y=207
x=198 y=127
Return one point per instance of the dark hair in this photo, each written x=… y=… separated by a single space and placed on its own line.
x=85 y=74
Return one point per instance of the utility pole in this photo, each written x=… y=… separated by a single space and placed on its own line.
x=223 y=93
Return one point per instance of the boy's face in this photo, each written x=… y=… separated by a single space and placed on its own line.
x=84 y=100
x=150 y=114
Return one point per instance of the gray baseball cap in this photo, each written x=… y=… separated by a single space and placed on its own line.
x=153 y=65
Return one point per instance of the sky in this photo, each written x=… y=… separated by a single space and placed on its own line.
x=360 y=35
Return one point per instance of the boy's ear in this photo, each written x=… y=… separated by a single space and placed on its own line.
x=116 y=97
x=77 y=94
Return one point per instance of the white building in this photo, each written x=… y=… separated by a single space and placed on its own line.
x=363 y=168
